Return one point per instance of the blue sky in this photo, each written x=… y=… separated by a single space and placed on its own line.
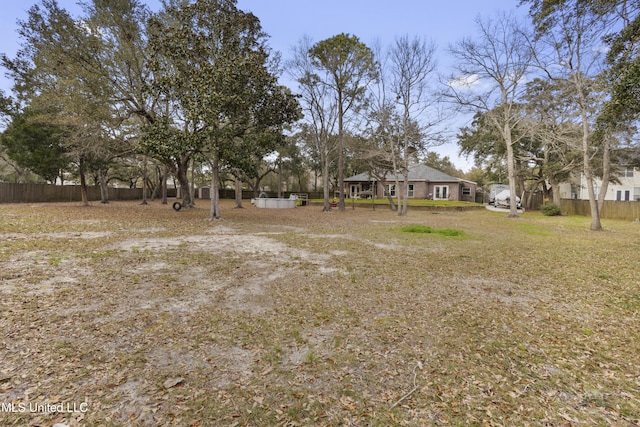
x=287 y=21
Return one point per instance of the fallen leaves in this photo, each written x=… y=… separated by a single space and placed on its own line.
x=172 y=382
x=303 y=318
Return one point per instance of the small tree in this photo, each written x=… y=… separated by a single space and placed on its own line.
x=35 y=145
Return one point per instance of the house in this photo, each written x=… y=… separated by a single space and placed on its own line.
x=424 y=182
x=627 y=189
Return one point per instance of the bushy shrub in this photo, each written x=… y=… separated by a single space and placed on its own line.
x=551 y=209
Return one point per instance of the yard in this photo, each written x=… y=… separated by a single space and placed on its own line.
x=124 y=314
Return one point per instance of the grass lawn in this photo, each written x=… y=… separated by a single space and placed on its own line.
x=410 y=202
x=124 y=314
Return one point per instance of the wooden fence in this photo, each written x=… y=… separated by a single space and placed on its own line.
x=612 y=209
x=35 y=193
x=40 y=193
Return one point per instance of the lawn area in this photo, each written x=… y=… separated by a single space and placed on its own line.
x=410 y=202
x=124 y=314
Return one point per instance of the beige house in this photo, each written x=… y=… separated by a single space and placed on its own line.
x=424 y=182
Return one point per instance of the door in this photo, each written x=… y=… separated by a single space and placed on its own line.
x=354 y=190
x=441 y=192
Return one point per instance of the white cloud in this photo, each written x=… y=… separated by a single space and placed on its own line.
x=465 y=81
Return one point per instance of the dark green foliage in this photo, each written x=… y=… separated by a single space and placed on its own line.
x=35 y=145
x=551 y=209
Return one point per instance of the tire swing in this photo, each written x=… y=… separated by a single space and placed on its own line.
x=177 y=206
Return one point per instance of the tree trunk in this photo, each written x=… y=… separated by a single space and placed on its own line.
x=156 y=184
x=606 y=172
x=183 y=180
x=397 y=185
x=192 y=187
x=165 y=171
x=588 y=175
x=555 y=192
x=254 y=189
x=340 y=153
x=593 y=203
x=238 y=188
x=404 y=206
x=144 y=180
x=513 y=203
x=279 y=179
x=255 y=186
x=215 y=194
x=104 y=190
x=521 y=184
x=325 y=182
x=83 y=183
x=392 y=203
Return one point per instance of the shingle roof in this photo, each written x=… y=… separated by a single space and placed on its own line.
x=417 y=172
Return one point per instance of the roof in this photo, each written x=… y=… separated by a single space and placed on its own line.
x=417 y=172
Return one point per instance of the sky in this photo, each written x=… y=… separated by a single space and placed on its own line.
x=287 y=21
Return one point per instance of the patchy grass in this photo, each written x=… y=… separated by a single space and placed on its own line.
x=299 y=317
x=425 y=229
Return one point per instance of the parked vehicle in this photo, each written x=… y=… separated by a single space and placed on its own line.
x=503 y=200
x=495 y=189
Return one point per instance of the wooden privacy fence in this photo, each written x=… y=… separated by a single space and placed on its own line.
x=612 y=209
x=36 y=193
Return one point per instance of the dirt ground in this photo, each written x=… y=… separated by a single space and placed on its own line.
x=124 y=314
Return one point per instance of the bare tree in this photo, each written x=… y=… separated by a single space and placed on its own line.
x=412 y=67
x=491 y=71
x=404 y=114
x=572 y=37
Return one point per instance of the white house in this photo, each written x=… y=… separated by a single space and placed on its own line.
x=627 y=190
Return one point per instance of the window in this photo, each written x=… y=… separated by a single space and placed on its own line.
x=626 y=173
x=466 y=191
x=410 y=192
x=636 y=193
x=623 y=195
x=392 y=190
